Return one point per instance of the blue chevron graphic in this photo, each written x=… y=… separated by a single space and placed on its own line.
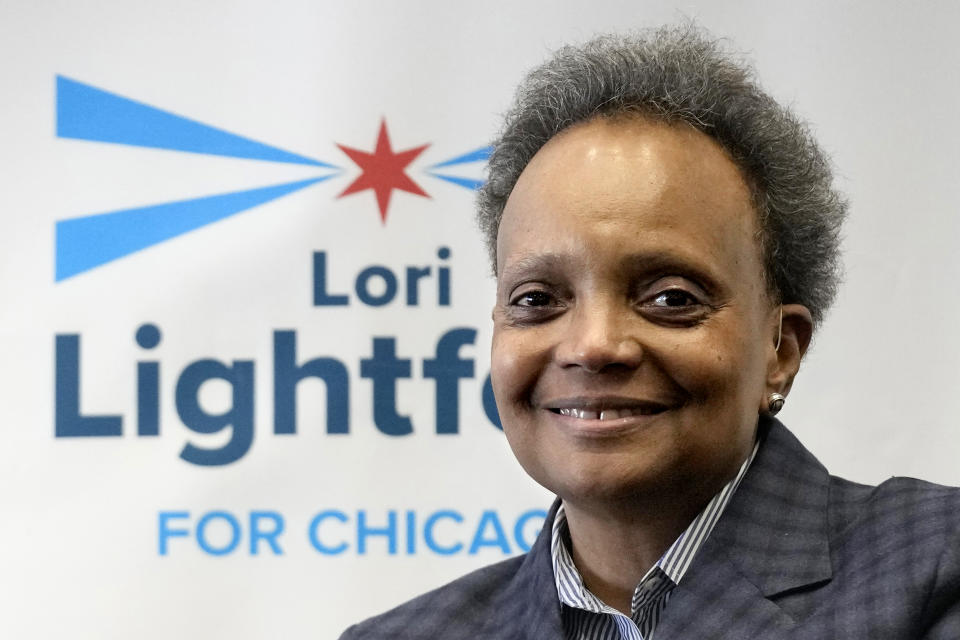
x=90 y=241
x=477 y=155
x=85 y=112
x=466 y=183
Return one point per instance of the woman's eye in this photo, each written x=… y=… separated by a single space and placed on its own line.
x=676 y=306
x=674 y=298
x=531 y=306
x=533 y=299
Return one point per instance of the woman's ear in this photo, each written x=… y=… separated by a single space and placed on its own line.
x=793 y=338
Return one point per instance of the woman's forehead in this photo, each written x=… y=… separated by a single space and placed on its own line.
x=635 y=186
x=608 y=159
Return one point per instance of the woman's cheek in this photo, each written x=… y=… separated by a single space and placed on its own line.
x=516 y=361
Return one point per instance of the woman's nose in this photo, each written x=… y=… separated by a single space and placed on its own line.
x=599 y=338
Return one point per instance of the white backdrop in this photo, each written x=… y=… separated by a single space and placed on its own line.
x=118 y=536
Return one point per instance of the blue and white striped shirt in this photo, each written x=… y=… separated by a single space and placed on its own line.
x=586 y=617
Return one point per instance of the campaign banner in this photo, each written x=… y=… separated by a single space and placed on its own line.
x=246 y=321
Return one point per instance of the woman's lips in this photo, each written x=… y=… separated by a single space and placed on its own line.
x=608 y=414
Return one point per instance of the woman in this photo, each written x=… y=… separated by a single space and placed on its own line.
x=665 y=240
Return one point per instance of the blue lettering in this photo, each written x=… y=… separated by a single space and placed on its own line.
x=490 y=403
x=384 y=368
x=522 y=521
x=320 y=296
x=446 y=369
x=363 y=288
x=411 y=532
x=271 y=535
x=234 y=533
x=389 y=531
x=315 y=538
x=489 y=532
x=428 y=526
x=165 y=532
x=414 y=274
x=148 y=384
x=239 y=417
x=499 y=539
x=363 y=283
x=287 y=375
x=443 y=282
x=68 y=423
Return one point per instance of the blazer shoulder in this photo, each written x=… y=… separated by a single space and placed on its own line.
x=898 y=501
x=897 y=495
x=896 y=546
x=458 y=609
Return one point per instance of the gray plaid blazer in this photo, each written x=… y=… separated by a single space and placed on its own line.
x=797 y=554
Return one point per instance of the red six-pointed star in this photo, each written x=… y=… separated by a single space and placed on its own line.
x=383 y=170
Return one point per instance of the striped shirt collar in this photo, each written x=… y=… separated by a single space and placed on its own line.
x=654 y=588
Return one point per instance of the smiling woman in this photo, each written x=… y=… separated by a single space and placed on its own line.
x=665 y=240
x=626 y=360
x=650 y=302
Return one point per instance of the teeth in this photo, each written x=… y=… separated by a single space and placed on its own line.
x=582 y=414
x=606 y=414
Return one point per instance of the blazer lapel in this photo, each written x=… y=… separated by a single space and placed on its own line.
x=773 y=538
x=530 y=606
x=714 y=600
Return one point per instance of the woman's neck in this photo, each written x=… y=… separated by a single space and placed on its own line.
x=615 y=544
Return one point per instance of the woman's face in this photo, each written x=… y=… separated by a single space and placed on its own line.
x=633 y=332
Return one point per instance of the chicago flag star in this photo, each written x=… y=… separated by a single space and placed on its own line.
x=383 y=170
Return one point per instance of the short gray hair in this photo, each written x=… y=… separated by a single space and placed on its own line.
x=682 y=74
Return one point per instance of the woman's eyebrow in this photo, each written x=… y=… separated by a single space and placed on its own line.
x=654 y=260
x=536 y=263
x=645 y=262
x=668 y=262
